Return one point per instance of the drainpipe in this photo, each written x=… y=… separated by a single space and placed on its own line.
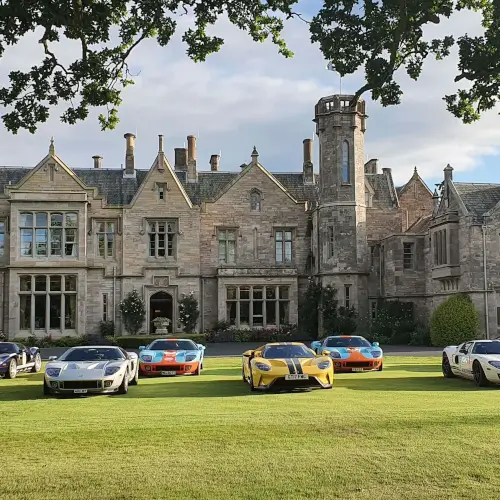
x=202 y=304
x=114 y=297
x=485 y=273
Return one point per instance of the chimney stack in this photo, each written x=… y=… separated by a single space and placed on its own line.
x=255 y=156
x=371 y=166
x=129 y=155
x=191 y=159
x=97 y=161
x=161 y=154
x=448 y=173
x=181 y=156
x=307 y=165
x=214 y=163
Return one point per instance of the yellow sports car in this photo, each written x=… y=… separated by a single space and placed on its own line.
x=286 y=364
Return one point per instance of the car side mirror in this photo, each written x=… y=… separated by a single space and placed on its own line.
x=326 y=353
x=375 y=344
x=201 y=347
x=52 y=358
x=142 y=347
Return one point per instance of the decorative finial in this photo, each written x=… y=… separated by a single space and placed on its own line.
x=254 y=152
x=255 y=156
x=436 y=194
x=415 y=170
x=52 y=148
x=448 y=167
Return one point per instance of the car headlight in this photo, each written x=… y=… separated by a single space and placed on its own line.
x=335 y=354
x=323 y=365
x=190 y=357
x=263 y=367
x=495 y=364
x=111 y=370
x=146 y=358
x=376 y=354
x=53 y=372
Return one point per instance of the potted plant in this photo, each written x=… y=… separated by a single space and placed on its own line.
x=161 y=324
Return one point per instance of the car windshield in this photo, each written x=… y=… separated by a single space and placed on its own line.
x=7 y=348
x=92 y=354
x=173 y=345
x=347 y=342
x=487 y=348
x=287 y=351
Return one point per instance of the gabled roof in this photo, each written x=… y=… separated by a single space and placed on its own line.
x=382 y=196
x=478 y=198
x=421 y=225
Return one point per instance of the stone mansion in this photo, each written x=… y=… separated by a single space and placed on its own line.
x=75 y=241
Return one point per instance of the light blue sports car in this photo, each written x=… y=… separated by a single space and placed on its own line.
x=351 y=353
x=171 y=357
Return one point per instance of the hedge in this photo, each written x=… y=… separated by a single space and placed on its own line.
x=285 y=333
x=454 y=321
x=134 y=342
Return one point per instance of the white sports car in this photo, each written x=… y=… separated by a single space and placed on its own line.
x=477 y=360
x=91 y=370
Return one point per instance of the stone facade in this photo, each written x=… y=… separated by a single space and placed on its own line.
x=74 y=242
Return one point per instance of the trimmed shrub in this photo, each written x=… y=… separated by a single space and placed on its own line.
x=133 y=312
x=454 y=321
x=107 y=328
x=189 y=312
x=284 y=333
x=394 y=323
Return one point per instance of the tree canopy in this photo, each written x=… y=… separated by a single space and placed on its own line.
x=379 y=36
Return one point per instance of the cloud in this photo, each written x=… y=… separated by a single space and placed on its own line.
x=248 y=94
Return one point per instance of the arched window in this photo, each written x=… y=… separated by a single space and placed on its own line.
x=255 y=201
x=345 y=162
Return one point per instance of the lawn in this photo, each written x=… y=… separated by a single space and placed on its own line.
x=403 y=433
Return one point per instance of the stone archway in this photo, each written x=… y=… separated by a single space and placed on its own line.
x=161 y=305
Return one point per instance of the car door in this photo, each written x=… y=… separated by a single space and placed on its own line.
x=22 y=355
x=130 y=363
x=465 y=359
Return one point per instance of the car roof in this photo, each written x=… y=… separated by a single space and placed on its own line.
x=95 y=347
x=345 y=337
x=283 y=343
x=175 y=340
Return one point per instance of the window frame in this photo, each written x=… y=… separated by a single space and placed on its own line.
x=283 y=231
x=280 y=294
x=331 y=241
x=408 y=257
x=345 y=162
x=3 y=237
x=226 y=231
x=255 y=194
x=174 y=232
x=105 y=238
x=50 y=229
x=64 y=292
x=347 y=296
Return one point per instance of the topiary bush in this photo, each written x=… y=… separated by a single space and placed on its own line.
x=454 y=321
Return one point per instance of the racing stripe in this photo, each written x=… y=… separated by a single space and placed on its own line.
x=298 y=366
x=291 y=366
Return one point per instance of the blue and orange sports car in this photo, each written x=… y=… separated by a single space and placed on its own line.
x=169 y=357
x=351 y=353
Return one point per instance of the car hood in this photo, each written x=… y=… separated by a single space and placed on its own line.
x=354 y=352
x=291 y=362
x=489 y=357
x=83 y=369
x=4 y=356
x=167 y=356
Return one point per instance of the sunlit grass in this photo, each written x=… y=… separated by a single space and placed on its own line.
x=405 y=433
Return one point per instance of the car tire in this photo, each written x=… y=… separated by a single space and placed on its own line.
x=446 y=367
x=123 y=389
x=198 y=370
x=11 y=369
x=243 y=375
x=479 y=376
x=47 y=391
x=38 y=363
x=380 y=368
x=250 y=382
x=135 y=380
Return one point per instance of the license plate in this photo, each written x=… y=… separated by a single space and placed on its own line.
x=169 y=373
x=358 y=369
x=80 y=391
x=298 y=376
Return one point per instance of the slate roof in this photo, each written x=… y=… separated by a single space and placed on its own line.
x=420 y=225
x=120 y=191
x=382 y=195
x=478 y=198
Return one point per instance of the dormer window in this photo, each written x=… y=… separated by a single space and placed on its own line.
x=255 y=201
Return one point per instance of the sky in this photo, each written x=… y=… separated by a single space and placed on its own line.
x=247 y=94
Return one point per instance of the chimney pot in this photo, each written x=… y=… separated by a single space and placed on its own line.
x=97 y=161
x=307 y=165
x=160 y=144
x=448 y=172
x=308 y=150
x=387 y=170
x=191 y=139
x=129 y=155
x=214 y=163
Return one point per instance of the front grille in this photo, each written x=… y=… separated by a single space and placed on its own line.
x=81 y=384
x=310 y=382
x=357 y=364
x=169 y=368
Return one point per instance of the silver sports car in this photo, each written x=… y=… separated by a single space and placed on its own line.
x=91 y=370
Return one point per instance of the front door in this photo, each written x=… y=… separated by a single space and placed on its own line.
x=160 y=306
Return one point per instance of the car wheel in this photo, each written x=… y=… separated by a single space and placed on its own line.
x=250 y=382
x=38 y=364
x=380 y=368
x=479 y=376
x=446 y=367
x=123 y=389
x=135 y=380
x=46 y=389
x=198 y=370
x=12 y=369
x=243 y=375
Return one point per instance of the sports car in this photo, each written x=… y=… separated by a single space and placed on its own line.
x=477 y=360
x=351 y=353
x=16 y=358
x=286 y=365
x=169 y=357
x=91 y=370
